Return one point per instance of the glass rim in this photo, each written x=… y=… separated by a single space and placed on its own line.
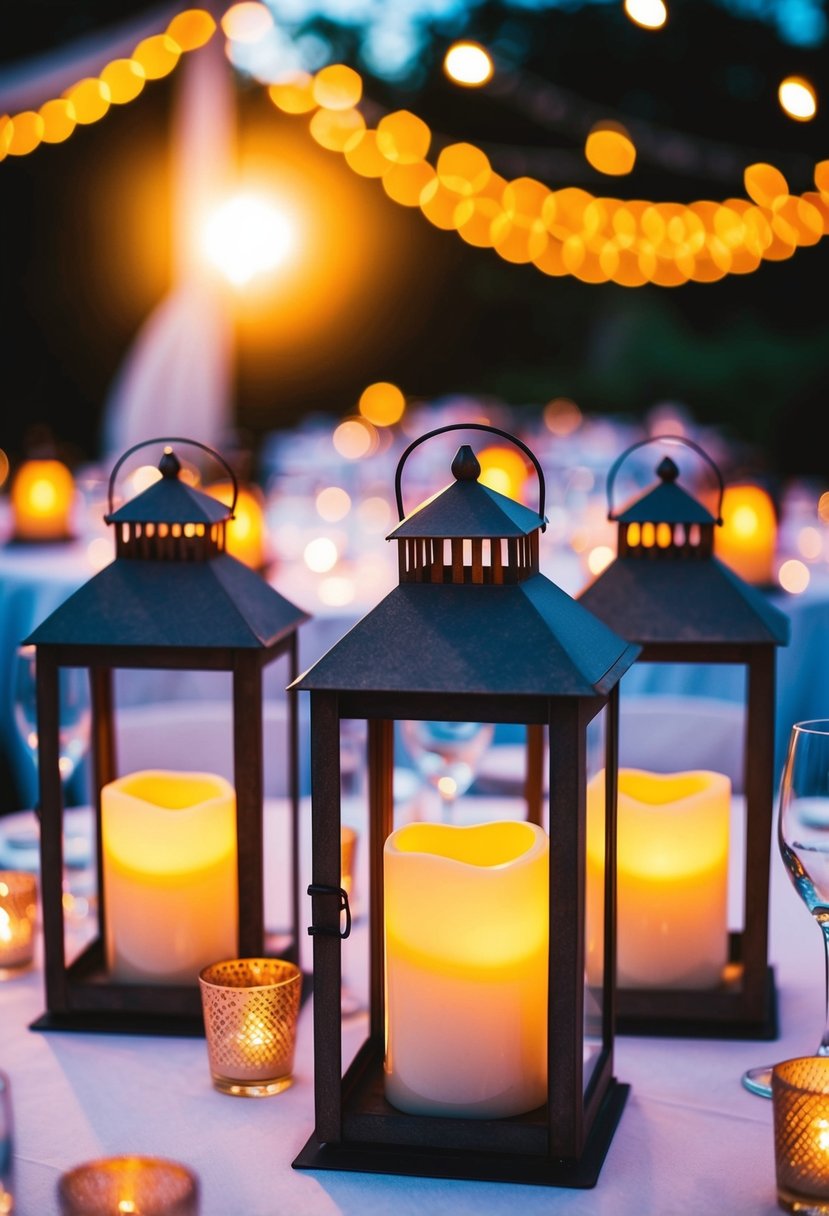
x=109 y=1165
x=785 y=1073
x=292 y=973
x=812 y=726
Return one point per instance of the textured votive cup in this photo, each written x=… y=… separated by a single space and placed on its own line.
x=250 y=1012
x=800 y=1099
x=18 y=920
x=111 y=1186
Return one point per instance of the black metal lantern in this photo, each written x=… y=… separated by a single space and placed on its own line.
x=473 y=632
x=174 y=600
x=667 y=592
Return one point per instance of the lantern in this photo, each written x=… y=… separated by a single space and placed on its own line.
x=179 y=855
x=683 y=969
x=42 y=499
x=487 y=1056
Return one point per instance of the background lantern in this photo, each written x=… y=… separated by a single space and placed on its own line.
x=682 y=968
x=173 y=599
x=473 y=632
x=42 y=500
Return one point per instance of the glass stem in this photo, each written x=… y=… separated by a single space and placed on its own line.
x=823 y=1049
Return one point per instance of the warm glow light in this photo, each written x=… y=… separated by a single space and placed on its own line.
x=794 y=576
x=26 y=133
x=336 y=591
x=403 y=138
x=99 y=552
x=375 y=514
x=764 y=184
x=503 y=470
x=748 y=537
x=609 y=149
x=157 y=55
x=125 y=78
x=192 y=28
x=321 y=555
x=247 y=22
x=797 y=98
x=58 y=120
x=809 y=543
x=822 y=506
x=245 y=532
x=382 y=403
x=354 y=438
x=90 y=98
x=599 y=558
x=4 y=467
x=42 y=494
x=562 y=416
x=337 y=87
x=333 y=504
x=649 y=14
x=294 y=96
x=468 y=63
x=245 y=237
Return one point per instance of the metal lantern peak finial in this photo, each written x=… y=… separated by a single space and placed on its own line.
x=169 y=466
x=667 y=470
x=465 y=466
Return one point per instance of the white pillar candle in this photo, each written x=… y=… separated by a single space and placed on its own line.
x=672 y=876
x=170 y=887
x=466 y=923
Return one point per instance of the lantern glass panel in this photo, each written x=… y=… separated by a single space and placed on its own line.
x=594 y=897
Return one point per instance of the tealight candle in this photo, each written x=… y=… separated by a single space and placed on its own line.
x=250 y=1010
x=800 y=1100
x=42 y=496
x=672 y=873
x=169 y=870
x=18 y=918
x=466 y=937
x=112 y=1186
x=748 y=537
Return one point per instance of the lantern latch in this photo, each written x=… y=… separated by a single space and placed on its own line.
x=326 y=930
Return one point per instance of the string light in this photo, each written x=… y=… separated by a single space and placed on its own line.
x=468 y=63
x=560 y=232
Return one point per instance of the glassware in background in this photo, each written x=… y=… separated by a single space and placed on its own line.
x=18 y=922
x=75 y=711
x=803 y=839
x=447 y=756
x=6 y=1146
x=152 y=1186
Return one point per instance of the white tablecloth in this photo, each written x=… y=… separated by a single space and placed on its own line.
x=690 y=1140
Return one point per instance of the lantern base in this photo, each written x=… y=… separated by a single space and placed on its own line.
x=421 y=1162
x=699 y=1014
x=120 y=1022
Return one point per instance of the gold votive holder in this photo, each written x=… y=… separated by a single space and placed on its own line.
x=800 y=1099
x=111 y=1186
x=250 y=1013
x=18 y=920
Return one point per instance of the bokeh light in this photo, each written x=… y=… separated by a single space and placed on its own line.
x=157 y=55
x=125 y=78
x=354 y=438
x=468 y=63
x=247 y=236
x=797 y=98
x=90 y=99
x=649 y=14
x=192 y=28
x=794 y=576
x=610 y=150
x=337 y=87
x=321 y=555
x=503 y=470
x=58 y=120
x=562 y=416
x=599 y=558
x=333 y=504
x=382 y=403
x=247 y=22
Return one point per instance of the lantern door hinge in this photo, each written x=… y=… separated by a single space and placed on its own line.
x=339 y=893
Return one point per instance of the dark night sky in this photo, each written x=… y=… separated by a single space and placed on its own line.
x=431 y=313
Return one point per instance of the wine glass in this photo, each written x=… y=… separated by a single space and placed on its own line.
x=803 y=839
x=74 y=731
x=447 y=755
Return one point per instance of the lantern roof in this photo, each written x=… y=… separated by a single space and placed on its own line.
x=700 y=600
x=528 y=638
x=216 y=604
x=666 y=502
x=465 y=508
x=170 y=500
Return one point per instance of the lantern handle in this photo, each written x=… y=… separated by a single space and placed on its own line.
x=470 y=426
x=619 y=461
x=168 y=440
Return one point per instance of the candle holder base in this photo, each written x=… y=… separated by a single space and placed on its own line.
x=251 y=1089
